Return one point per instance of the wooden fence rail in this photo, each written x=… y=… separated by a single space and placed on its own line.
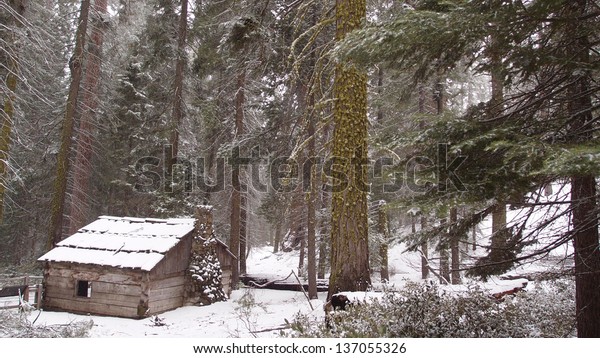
x=22 y=293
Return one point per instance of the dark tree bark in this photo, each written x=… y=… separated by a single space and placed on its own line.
x=424 y=244
x=82 y=167
x=236 y=193
x=424 y=252
x=455 y=250
x=497 y=80
x=66 y=143
x=384 y=232
x=243 y=231
x=583 y=187
x=178 y=104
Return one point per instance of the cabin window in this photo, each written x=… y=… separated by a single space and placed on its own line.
x=84 y=289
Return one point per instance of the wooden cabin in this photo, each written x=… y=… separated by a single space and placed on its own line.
x=125 y=267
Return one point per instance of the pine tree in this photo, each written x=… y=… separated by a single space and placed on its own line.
x=349 y=226
x=87 y=129
x=10 y=61
x=535 y=140
x=76 y=64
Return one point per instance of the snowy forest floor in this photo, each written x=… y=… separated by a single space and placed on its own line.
x=255 y=312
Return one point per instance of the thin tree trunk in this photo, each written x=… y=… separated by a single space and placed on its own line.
x=384 y=233
x=424 y=245
x=424 y=252
x=455 y=250
x=474 y=233
x=349 y=225
x=62 y=166
x=178 y=110
x=243 y=231
x=82 y=166
x=302 y=255
x=277 y=241
x=236 y=195
x=444 y=265
x=497 y=82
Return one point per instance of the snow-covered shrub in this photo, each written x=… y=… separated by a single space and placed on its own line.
x=421 y=310
x=206 y=274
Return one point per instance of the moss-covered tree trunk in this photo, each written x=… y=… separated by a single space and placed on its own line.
x=66 y=142
x=9 y=104
x=82 y=166
x=349 y=227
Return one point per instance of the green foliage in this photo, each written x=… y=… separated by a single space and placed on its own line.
x=425 y=311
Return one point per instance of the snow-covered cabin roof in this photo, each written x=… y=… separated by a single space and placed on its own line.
x=123 y=242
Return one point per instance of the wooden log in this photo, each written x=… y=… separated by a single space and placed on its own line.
x=166 y=292
x=156 y=307
x=121 y=289
x=168 y=282
x=103 y=309
x=93 y=273
x=263 y=282
x=98 y=297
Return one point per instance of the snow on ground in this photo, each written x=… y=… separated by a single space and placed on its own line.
x=233 y=318
x=222 y=320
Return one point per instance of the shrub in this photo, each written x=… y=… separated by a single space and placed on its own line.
x=16 y=325
x=421 y=310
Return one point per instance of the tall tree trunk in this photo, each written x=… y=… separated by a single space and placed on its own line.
x=497 y=80
x=82 y=166
x=62 y=166
x=349 y=226
x=424 y=245
x=236 y=195
x=178 y=110
x=583 y=187
x=439 y=99
x=455 y=250
x=311 y=231
x=9 y=103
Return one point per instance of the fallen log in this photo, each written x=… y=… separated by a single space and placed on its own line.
x=280 y=284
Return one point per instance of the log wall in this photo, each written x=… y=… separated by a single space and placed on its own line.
x=114 y=292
